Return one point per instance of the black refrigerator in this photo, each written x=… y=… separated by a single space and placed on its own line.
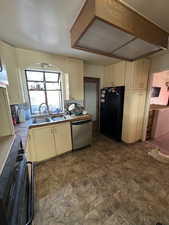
x=111 y=112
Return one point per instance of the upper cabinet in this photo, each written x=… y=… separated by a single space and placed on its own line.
x=115 y=74
x=132 y=75
x=137 y=74
x=15 y=86
x=6 y=125
x=3 y=72
x=75 y=70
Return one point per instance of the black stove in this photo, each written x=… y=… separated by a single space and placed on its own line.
x=16 y=188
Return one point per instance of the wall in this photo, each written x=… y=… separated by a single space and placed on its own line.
x=96 y=71
x=159 y=80
x=28 y=59
x=160 y=63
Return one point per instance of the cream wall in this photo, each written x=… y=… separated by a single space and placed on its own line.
x=28 y=59
x=96 y=71
x=73 y=69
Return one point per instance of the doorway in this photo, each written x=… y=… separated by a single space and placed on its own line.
x=91 y=100
x=157 y=111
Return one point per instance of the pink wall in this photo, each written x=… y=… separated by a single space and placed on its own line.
x=160 y=80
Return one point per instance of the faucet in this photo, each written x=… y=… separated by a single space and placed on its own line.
x=47 y=108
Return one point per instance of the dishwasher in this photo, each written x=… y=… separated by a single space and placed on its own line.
x=81 y=134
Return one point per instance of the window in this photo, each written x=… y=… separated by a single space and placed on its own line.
x=44 y=87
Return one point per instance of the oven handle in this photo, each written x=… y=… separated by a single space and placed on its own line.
x=31 y=195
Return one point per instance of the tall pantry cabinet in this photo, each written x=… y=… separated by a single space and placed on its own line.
x=134 y=76
x=135 y=99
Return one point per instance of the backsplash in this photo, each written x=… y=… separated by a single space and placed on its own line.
x=21 y=112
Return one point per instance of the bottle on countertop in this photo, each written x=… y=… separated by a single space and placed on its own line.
x=21 y=113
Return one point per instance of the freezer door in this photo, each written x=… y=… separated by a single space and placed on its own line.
x=81 y=134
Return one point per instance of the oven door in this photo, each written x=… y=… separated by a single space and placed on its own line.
x=22 y=200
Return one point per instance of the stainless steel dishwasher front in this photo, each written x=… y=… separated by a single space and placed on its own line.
x=81 y=134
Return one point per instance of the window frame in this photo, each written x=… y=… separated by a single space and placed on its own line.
x=45 y=90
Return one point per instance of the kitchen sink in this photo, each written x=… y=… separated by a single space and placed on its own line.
x=38 y=120
x=48 y=119
x=58 y=118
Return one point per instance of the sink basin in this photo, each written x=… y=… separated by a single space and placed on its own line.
x=39 y=120
x=58 y=118
x=48 y=119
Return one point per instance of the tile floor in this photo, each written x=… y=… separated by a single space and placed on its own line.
x=109 y=183
x=163 y=144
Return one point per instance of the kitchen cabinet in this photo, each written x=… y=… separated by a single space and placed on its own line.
x=3 y=72
x=42 y=142
x=107 y=82
x=49 y=141
x=29 y=151
x=15 y=87
x=115 y=74
x=134 y=76
x=62 y=137
x=135 y=99
x=6 y=124
x=137 y=74
x=75 y=71
x=133 y=116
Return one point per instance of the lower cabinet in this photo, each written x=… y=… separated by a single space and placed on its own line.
x=49 y=141
x=62 y=138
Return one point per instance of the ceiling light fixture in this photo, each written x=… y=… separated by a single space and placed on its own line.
x=110 y=28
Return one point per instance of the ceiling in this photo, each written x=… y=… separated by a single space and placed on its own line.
x=45 y=24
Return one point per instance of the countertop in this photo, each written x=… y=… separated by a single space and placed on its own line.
x=158 y=107
x=5 y=147
x=23 y=128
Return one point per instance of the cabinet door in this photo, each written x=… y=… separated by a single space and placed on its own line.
x=43 y=146
x=133 y=116
x=30 y=153
x=63 y=140
x=115 y=74
x=6 y=125
x=137 y=74
x=27 y=153
x=15 y=87
x=107 y=78
x=75 y=70
x=118 y=73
